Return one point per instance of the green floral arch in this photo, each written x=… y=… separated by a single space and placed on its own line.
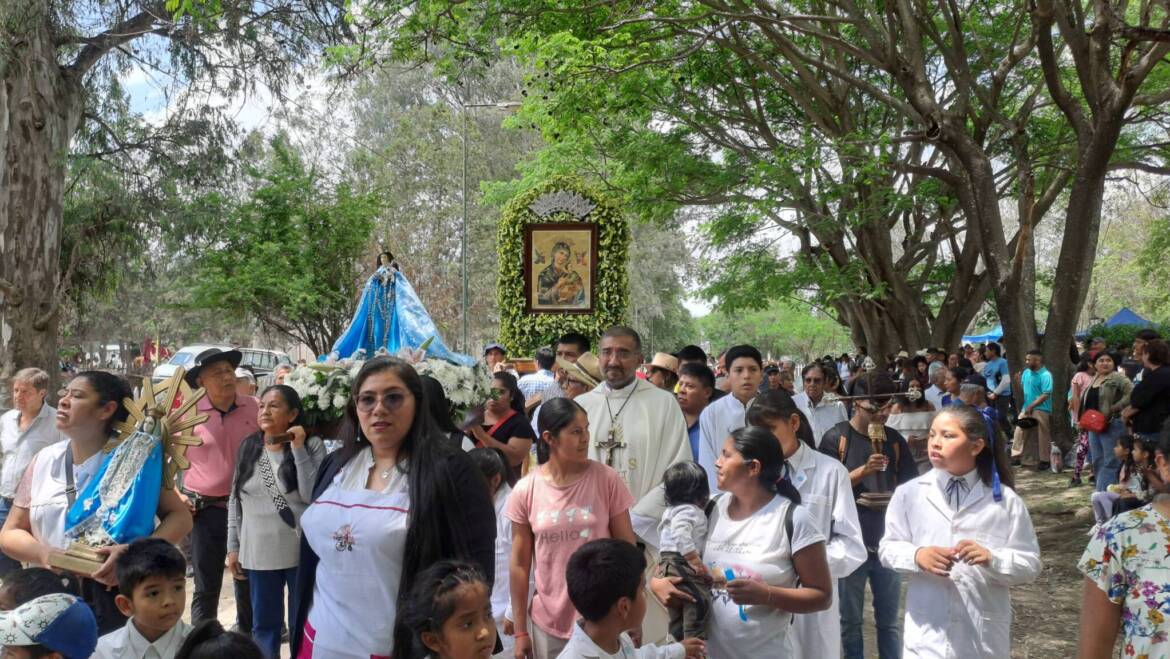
x=522 y=333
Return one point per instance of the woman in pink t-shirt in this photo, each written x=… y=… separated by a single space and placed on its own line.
x=565 y=502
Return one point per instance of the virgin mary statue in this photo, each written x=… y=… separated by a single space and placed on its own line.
x=390 y=316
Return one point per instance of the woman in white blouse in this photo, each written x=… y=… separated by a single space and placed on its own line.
x=88 y=408
x=765 y=545
x=385 y=505
x=825 y=491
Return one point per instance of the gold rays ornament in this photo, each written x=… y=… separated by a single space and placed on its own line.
x=154 y=411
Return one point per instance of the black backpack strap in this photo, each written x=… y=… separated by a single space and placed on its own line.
x=711 y=505
x=788 y=523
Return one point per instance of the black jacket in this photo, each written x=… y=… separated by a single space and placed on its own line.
x=1151 y=397
x=474 y=510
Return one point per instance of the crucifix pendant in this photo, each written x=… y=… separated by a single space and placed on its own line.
x=612 y=442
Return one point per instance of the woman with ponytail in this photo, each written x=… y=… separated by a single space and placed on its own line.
x=964 y=537
x=825 y=492
x=766 y=545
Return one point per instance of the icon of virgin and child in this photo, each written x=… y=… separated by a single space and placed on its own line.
x=558 y=283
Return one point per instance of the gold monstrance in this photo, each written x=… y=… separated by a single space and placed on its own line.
x=881 y=498
x=153 y=414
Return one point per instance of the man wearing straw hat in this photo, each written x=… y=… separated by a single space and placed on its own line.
x=663 y=371
x=575 y=378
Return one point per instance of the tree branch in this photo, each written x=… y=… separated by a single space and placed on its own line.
x=128 y=30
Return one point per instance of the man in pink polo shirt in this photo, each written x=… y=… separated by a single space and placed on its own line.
x=207 y=484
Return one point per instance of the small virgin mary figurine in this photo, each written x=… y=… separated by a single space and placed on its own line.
x=391 y=317
x=119 y=503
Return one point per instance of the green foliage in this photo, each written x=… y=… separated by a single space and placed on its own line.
x=780 y=329
x=1122 y=336
x=522 y=333
x=292 y=255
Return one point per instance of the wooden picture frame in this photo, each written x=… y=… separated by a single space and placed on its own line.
x=560 y=267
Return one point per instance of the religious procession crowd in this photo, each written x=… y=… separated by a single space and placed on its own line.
x=603 y=506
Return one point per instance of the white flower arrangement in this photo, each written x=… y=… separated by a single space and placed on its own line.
x=324 y=387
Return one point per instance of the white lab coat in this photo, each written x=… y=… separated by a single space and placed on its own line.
x=967 y=615
x=825 y=492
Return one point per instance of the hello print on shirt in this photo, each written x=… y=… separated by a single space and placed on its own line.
x=564 y=525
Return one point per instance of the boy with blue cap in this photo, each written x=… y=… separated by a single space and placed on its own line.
x=56 y=626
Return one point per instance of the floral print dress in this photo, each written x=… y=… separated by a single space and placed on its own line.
x=1129 y=560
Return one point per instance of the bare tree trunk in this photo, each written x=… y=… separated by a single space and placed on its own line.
x=40 y=107
x=1075 y=265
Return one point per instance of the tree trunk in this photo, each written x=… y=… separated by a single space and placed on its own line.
x=980 y=200
x=1075 y=265
x=40 y=107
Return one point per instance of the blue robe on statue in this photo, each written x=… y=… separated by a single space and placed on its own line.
x=119 y=503
x=391 y=316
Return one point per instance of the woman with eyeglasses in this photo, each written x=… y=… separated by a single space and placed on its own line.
x=88 y=408
x=386 y=505
x=505 y=427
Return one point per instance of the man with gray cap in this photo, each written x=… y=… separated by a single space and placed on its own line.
x=206 y=485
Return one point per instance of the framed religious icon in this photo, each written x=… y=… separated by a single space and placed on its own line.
x=560 y=267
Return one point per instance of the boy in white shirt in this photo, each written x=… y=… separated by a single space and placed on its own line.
x=607 y=585
x=152 y=589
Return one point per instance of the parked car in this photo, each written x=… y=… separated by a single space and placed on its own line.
x=261 y=361
x=185 y=357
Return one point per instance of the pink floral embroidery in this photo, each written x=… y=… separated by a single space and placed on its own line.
x=343 y=538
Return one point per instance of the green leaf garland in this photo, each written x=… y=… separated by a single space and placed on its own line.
x=523 y=333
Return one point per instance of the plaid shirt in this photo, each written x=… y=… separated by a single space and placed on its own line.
x=541 y=382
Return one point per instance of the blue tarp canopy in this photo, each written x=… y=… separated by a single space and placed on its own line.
x=995 y=334
x=1127 y=317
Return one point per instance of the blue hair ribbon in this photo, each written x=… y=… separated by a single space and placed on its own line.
x=989 y=421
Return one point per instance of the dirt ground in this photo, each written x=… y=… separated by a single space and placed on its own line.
x=1047 y=612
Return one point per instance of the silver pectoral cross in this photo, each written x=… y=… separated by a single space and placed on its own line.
x=613 y=441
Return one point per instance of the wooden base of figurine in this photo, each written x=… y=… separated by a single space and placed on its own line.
x=875 y=500
x=79 y=559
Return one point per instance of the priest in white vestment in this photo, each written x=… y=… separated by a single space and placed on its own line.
x=744 y=372
x=634 y=427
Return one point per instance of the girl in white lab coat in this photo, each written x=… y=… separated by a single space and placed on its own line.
x=824 y=489
x=964 y=537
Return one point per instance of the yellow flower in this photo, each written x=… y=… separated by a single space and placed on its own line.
x=1156 y=616
x=1129 y=551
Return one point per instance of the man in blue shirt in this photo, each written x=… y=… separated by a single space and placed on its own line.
x=999 y=385
x=1036 y=382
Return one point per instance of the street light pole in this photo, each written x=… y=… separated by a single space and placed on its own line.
x=463 y=240
x=507 y=105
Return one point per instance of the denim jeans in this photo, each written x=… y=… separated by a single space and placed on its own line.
x=886 y=585
x=8 y=565
x=271 y=589
x=1106 y=466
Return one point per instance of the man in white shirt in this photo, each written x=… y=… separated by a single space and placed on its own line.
x=821 y=414
x=934 y=393
x=27 y=428
x=639 y=430
x=745 y=368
